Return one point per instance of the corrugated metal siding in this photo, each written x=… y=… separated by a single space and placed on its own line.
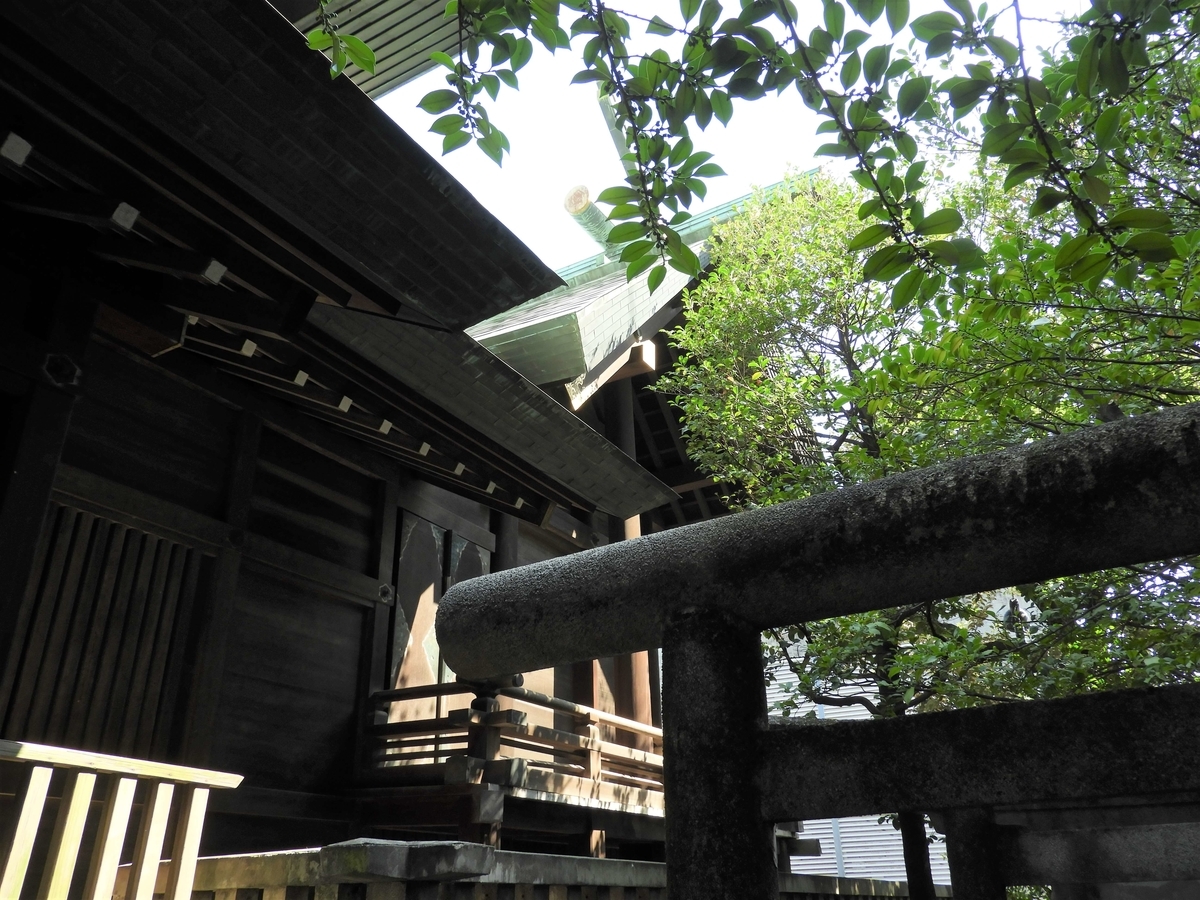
x=869 y=850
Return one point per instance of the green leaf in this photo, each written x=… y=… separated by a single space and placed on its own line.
x=657 y=275
x=1006 y=50
x=688 y=9
x=636 y=250
x=999 y=138
x=851 y=69
x=709 y=170
x=682 y=259
x=945 y=251
x=835 y=19
x=521 y=54
x=640 y=265
x=619 y=194
x=1085 y=70
x=944 y=221
x=1072 y=250
x=1022 y=172
x=930 y=25
x=897 y=14
x=747 y=88
x=1097 y=189
x=906 y=288
x=939 y=46
x=875 y=63
x=442 y=59
x=360 y=54
x=1140 y=218
x=659 y=25
x=454 y=140
x=869 y=237
x=965 y=94
x=448 y=124
x=1046 y=200
x=722 y=107
x=627 y=231
x=438 y=101
x=1107 y=124
x=912 y=94
x=1112 y=68
x=319 y=40
x=490 y=145
x=906 y=144
x=586 y=76
x=1094 y=265
x=1152 y=246
x=886 y=264
x=868 y=10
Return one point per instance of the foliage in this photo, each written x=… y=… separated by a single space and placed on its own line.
x=1102 y=131
x=343 y=48
x=797 y=377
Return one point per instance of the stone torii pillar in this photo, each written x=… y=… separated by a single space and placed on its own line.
x=1116 y=494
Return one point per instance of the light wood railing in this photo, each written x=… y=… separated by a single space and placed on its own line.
x=487 y=744
x=80 y=772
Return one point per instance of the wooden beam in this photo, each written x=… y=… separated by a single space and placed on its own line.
x=84 y=209
x=241 y=309
x=165 y=258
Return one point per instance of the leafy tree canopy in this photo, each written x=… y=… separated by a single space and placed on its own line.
x=1102 y=128
x=797 y=377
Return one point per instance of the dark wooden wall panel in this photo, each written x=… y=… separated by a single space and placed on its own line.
x=105 y=627
x=154 y=433
x=285 y=718
x=310 y=502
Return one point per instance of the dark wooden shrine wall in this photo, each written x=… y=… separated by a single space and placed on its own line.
x=206 y=590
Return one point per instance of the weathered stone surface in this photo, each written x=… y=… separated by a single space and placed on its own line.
x=1115 y=494
x=719 y=846
x=1121 y=743
x=1107 y=855
x=368 y=860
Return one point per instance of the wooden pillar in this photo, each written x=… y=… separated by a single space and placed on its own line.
x=214 y=636
x=36 y=433
x=635 y=666
x=970 y=840
x=508 y=541
x=714 y=709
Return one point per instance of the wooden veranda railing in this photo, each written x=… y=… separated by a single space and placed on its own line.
x=490 y=745
x=165 y=789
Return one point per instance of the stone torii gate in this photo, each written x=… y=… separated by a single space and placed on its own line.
x=1117 y=494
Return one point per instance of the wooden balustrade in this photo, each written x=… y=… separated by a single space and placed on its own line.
x=165 y=787
x=487 y=744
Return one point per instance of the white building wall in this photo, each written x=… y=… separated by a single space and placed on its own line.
x=854 y=847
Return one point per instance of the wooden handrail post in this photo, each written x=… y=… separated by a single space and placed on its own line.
x=147 y=854
x=68 y=832
x=106 y=858
x=16 y=864
x=188 y=830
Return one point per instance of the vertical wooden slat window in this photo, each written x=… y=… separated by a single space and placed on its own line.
x=104 y=631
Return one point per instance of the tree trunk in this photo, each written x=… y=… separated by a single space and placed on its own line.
x=916 y=855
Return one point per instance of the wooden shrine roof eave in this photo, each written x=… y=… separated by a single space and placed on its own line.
x=456 y=374
x=230 y=100
x=401 y=32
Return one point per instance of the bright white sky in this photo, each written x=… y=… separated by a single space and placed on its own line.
x=559 y=139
